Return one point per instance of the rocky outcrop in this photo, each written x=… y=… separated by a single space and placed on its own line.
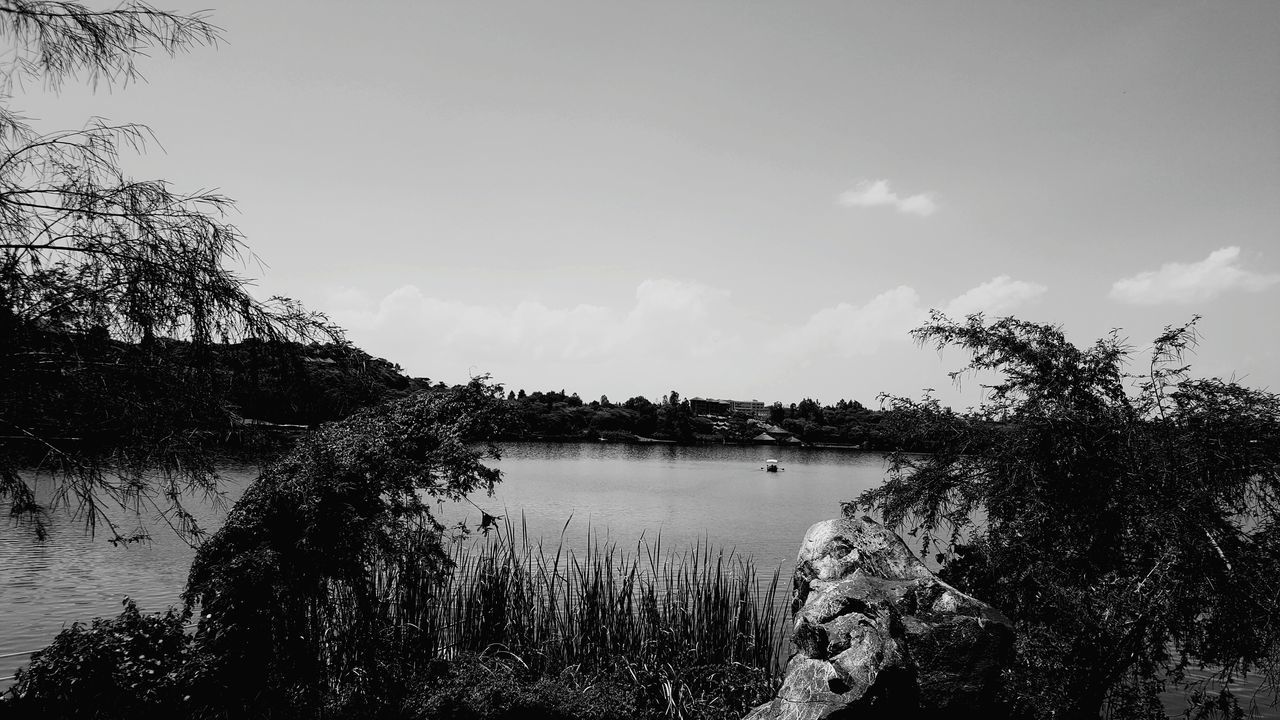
x=879 y=635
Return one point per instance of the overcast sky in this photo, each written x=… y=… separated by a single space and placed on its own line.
x=734 y=199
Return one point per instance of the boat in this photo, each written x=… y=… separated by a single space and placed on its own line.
x=771 y=465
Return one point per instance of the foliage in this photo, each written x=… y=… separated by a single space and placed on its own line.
x=473 y=687
x=89 y=256
x=691 y=634
x=555 y=416
x=54 y=40
x=130 y=666
x=1127 y=524
x=499 y=685
x=289 y=598
x=556 y=609
x=285 y=382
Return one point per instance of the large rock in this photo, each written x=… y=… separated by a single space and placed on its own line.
x=879 y=635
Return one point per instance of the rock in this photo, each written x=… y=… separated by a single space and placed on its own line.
x=879 y=635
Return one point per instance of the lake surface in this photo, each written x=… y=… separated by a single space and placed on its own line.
x=717 y=494
x=70 y=577
x=622 y=493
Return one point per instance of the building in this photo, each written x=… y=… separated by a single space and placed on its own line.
x=750 y=408
x=711 y=406
x=708 y=406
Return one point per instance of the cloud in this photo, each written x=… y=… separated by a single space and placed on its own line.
x=862 y=329
x=998 y=296
x=1184 y=283
x=667 y=334
x=869 y=193
x=670 y=315
x=853 y=330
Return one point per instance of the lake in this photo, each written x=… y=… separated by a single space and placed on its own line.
x=716 y=494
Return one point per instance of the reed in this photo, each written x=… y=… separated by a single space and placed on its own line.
x=556 y=608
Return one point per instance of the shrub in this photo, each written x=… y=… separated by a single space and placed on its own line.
x=1129 y=525
x=128 y=667
x=501 y=686
x=476 y=687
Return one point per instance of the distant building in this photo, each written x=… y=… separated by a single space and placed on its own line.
x=750 y=408
x=707 y=406
x=711 y=406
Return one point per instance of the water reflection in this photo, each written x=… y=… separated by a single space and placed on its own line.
x=72 y=577
x=716 y=494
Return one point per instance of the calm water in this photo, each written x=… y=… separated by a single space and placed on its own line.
x=684 y=493
x=70 y=577
x=714 y=493
x=718 y=494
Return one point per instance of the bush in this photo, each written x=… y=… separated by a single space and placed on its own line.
x=500 y=686
x=129 y=667
x=474 y=687
x=1127 y=524
x=716 y=691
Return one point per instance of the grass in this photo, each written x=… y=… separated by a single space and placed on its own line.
x=553 y=608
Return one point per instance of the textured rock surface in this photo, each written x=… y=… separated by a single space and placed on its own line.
x=878 y=635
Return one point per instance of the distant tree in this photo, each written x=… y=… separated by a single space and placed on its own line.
x=646 y=415
x=638 y=403
x=93 y=262
x=1129 y=525
x=849 y=405
x=520 y=395
x=777 y=413
x=810 y=409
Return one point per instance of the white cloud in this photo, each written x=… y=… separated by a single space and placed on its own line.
x=668 y=334
x=1184 y=283
x=876 y=193
x=852 y=330
x=994 y=297
x=668 y=314
x=858 y=329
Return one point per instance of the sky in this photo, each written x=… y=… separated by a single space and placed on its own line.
x=733 y=199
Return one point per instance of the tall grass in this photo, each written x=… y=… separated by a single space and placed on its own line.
x=553 y=608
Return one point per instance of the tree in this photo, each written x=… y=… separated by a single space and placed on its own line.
x=1128 y=524
x=297 y=576
x=98 y=274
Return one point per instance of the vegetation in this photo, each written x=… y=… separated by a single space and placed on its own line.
x=287 y=588
x=497 y=687
x=288 y=383
x=502 y=630
x=689 y=634
x=559 y=610
x=553 y=415
x=1127 y=524
x=130 y=666
x=89 y=256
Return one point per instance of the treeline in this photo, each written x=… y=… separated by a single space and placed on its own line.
x=555 y=415
x=87 y=382
x=289 y=383
x=87 y=389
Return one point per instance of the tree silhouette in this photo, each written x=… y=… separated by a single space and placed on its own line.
x=1128 y=524
x=99 y=270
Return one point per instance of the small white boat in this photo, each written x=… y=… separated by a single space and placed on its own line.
x=771 y=465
